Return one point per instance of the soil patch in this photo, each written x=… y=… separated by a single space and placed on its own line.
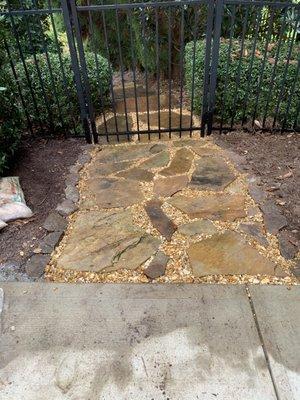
x=275 y=159
x=42 y=166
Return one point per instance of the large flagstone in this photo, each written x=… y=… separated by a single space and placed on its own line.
x=229 y=254
x=211 y=173
x=224 y=207
x=180 y=164
x=106 y=241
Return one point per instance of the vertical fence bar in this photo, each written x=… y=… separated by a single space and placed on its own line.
x=157 y=46
x=228 y=62
x=181 y=66
x=102 y=102
x=287 y=62
x=215 y=61
x=47 y=102
x=133 y=66
x=111 y=85
x=76 y=70
x=195 y=34
x=122 y=71
x=275 y=67
x=249 y=72
x=208 y=42
x=238 y=75
x=170 y=67
x=83 y=69
x=261 y=74
x=60 y=60
x=145 y=66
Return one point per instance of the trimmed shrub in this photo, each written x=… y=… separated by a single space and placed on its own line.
x=10 y=123
x=55 y=106
x=238 y=97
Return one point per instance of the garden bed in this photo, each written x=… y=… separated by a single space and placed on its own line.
x=42 y=166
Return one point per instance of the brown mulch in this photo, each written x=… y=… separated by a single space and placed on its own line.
x=275 y=158
x=42 y=166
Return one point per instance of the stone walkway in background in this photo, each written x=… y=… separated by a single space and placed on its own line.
x=169 y=211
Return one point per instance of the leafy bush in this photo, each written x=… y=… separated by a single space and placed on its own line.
x=52 y=100
x=10 y=124
x=238 y=97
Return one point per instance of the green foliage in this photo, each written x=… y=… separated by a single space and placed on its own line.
x=10 y=123
x=56 y=100
x=238 y=89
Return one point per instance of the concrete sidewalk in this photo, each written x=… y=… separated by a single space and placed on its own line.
x=115 y=342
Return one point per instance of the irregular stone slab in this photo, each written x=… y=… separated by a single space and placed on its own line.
x=105 y=169
x=67 y=207
x=122 y=153
x=55 y=222
x=224 y=207
x=211 y=173
x=72 y=193
x=229 y=254
x=50 y=241
x=164 y=118
x=188 y=142
x=205 y=151
x=35 y=265
x=180 y=164
x=106 y=241
x=112 y=193
x=137 y=174
x=256 y=193
x=273 y=219
x=157 y=267
x=201 y=227
x=130 y=91
x=142 y=104
x=157 y=161
x=166 y=187
x=159 y=219
x=158 y=147
x=296 y=270
x=256 y=231
x=287 y=248
x=114 y=125
x=235 y=187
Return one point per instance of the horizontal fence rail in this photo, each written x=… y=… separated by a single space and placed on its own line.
x=118 y=70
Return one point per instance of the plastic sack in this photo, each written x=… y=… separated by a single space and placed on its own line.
x=2 y=224
x=12 y=202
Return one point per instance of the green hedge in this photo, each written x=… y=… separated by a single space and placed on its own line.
x=10 y=123
x=245 y=92
x=61 y=98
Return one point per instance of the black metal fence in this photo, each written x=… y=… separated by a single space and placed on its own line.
x=153 y=68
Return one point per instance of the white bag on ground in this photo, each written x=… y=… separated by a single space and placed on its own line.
x=12 y=202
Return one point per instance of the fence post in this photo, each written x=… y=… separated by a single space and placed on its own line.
x=213 y=36
x=84 y=115
x=219 y=7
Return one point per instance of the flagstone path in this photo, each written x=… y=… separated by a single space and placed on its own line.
x=172 y=211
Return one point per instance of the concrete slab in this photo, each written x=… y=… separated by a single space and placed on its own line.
x=278 y=314
x=115 y=342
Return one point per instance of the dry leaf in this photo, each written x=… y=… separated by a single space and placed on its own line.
x=287 y=175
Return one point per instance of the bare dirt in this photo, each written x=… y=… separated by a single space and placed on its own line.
x=42 y=166
x=275 y=158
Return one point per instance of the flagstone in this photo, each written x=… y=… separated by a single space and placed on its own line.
x=181 y=163
x=256 y=231
x=157 y=161
x=111 y=193
x=166 y=119
x=229 y=254
x=200 y=227
x=205 y=151
x=189 y=142
x=104 y=169
x=166 y=187
x=137 y=174
x=157 y=266
x=122 y=153
x=224 y=207
x=211 y=173
x=103 y=241
x=159 y=219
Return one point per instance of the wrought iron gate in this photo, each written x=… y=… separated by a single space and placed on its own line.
x=171 y=67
